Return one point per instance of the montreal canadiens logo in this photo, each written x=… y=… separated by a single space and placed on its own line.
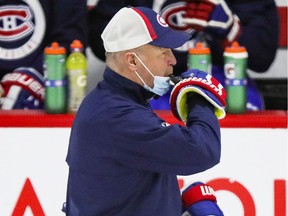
x=22 y=29
x=173 y=15
x=161 y=21
x=15 y=22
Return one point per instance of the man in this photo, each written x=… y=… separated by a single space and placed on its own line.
x=123 y=159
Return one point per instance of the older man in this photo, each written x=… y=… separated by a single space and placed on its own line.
x=123 y=159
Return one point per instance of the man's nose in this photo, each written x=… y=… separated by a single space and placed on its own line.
x=171 y=58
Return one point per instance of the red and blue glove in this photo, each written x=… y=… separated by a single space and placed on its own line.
x=199 y=200
x=214 y=16
x=22 y=89
x=201 y=83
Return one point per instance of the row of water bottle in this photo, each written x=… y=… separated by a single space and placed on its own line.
x=65 y=78
x=235 y=65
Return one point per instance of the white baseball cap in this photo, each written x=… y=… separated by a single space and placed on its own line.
x=132 y=27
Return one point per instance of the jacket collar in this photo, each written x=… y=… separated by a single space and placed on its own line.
x=127 y=87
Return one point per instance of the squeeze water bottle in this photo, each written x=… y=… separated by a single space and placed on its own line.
x=76 y=66
x=235 y=65
x=55 y=79
x=199 y=57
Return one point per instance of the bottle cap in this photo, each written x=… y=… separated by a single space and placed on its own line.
x=199 y=49
x=55 y=49
x=235 y=48
x=76 y=44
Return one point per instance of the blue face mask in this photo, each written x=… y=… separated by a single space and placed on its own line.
x=161 y=84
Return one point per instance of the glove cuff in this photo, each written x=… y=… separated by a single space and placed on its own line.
x=199 y=199
x=219 y=111
x=196 y=193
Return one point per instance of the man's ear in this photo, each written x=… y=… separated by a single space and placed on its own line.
x=131 y=61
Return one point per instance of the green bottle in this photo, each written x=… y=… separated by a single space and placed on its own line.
x=235 y=65
x=76 y=66
x=200 y=58
x=55 y=79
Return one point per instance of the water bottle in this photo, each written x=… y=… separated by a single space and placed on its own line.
x=55 y=78
x=76 y=65
x=199 y=57
x=235 y=65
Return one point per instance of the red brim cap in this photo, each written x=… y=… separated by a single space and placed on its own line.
x=132 y=27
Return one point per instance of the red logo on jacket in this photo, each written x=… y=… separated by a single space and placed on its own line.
x=15 y=22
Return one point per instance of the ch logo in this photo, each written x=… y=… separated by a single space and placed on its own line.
x=15 y=22
x=173 y=15
x=22 y=29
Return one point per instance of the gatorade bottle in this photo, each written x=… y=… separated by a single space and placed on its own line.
x=55 y=78
x=235 y=65
x=199 y=57
x=76 y=65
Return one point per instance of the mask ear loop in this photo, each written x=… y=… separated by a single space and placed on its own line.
x=140 y=77
x=143 y=65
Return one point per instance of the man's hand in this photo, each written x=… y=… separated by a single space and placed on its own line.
x=200 y=83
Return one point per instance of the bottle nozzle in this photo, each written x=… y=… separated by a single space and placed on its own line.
x=55 y=49
x=76 y=44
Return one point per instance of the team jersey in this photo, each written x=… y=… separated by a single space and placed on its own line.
x=124 y=160
x=27 y=27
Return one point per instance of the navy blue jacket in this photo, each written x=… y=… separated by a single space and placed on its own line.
x=123 y=159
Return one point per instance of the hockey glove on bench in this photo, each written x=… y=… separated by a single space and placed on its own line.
x=22 y=89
